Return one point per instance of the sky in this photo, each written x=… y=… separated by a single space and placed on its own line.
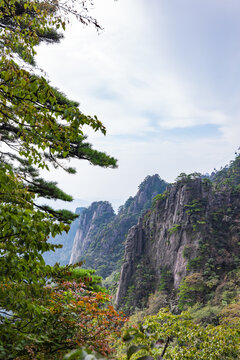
x=164 y=78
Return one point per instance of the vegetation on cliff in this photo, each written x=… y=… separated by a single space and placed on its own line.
x=189 y=252
x=198 y=318
x=178 y=337
x=101 y=236
x=47 y=311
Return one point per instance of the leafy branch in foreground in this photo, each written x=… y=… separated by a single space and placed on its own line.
x=50 y=320
x=42 y=313
x=38 y=124
x=177 y=337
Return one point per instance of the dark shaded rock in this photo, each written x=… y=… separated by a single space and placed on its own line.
x=99 y=239
x=195 y=221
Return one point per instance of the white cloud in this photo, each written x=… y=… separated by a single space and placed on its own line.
x=131 y=78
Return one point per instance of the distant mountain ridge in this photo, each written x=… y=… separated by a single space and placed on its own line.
x=91 y=221
x=100 y=237
x=62 y=255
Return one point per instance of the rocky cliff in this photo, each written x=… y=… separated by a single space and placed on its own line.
x=62 y=255
x=193 y=228
x=101 y=234
x=91 y=220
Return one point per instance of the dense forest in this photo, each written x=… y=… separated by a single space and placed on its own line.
x=179 y=282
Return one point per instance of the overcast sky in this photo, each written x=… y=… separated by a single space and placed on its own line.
x=164 y=77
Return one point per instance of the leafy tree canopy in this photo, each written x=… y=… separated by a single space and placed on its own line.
x=43 y=312
x=168 y=336
x=38 y=122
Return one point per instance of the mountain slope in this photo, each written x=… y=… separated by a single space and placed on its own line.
x=62 y=255
x=99 y=239
x=191 y=233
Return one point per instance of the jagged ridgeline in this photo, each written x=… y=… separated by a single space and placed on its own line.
x=101 y=233
x=187 y=247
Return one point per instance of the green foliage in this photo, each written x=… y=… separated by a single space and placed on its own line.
x=192 y=290
x=179 y=337
x=205 y=315
x=37 y=121
x=188 y=251
x=156 y=301
x=49 y=320
x=112 y=281
x=39 y=126
x=206 y=182
x=195 y=263
x=159 y=198
x=194 y=207
x=145 y=182
x=166 y=280
x=83 y=354
x=228 y=290
x=143 y=279
x=184 y=178
x=127 y=203
x=24 y=231
x=229 y=175
x=111 y=231
x=237 y=189
x=174 y=229
x=230 y=315
x=195 y=210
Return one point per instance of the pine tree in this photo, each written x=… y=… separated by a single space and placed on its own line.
x=39 y=126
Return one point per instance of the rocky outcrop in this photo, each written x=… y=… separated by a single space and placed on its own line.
x=192 y=222
x=147 y=190
x=97 y=215
x=99 y=240
x=62 y=255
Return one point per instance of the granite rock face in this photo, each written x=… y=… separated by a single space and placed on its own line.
x=101 y=233
x=100 y=212
x=192 y=222
x=62 y=255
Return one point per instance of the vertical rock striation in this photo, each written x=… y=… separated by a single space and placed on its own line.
x=62 y=255
x=99 y=239
x=192 y=222
x=98 y=214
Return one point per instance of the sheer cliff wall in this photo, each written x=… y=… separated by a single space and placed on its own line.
x=191 y=223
